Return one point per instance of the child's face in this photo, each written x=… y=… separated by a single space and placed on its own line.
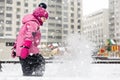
x=43 y=19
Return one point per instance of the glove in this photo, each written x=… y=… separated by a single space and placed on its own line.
x=14 y=51
x=13 y=54
x=24 y=53
x=25 y=49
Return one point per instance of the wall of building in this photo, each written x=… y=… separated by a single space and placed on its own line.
x=114 y=20
x=5 y=49
x=96 y=27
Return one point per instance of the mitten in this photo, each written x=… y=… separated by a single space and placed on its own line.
x=25 y=49
x=13 y=54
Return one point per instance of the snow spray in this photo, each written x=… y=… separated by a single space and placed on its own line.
x=77 y=60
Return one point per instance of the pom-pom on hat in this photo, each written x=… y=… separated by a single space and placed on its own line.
x=43 y=5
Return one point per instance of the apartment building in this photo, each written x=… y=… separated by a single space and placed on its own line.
x=72 y=17
x=11 y=13
x=96 y=27
x=64 y=18
x=114 y=20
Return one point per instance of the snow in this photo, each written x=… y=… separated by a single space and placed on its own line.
x=75 y=64
x=98 y=71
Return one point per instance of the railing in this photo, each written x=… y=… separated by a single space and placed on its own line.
x=48 y=60
x=106 y=60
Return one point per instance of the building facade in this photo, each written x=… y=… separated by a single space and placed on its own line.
x=96 y=27
x=64 y=18
x=11 y=13
x=114 y=20
x=72 y=17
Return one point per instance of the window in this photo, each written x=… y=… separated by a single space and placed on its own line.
x=18 y=23
x=65 y=19
x=59 y=18
x=78 y=27
x=17 y=29
x=26 y=0
x=72 y=20
x=26 y=11
x=66 y=7
x=26 y=4
x=72 y=14
x=52 y=12
x=52 y=18
x=1 y=21
x=50 y=37
x=18 y=3
x=52 y=6
x=78 y=9
x=18 y=9
x=58 y=31
x=18 y=16
x=1 y=8
x=8 y=22
x=1 y=28
x=1 y=15
x=65 y=32
x=72 y=9
x=79 y=21
x=59 y=1
x=78 y=31
x=72 y=26
x=78 y=4
x=34 y=5
x=58 y=25
x=9 y=1
x=8 y=15
x=51 y=30
x=1 y=34
x=8 y=29
x=43 y=37
x=9 y=8
x=2 y=0
x=59 y=12
x=9 y=43
x=43 y=31
x=72 y=3
x=58 y=37
x=51 y=24
x=65 y=26
x=65 y=14
x=78 y=15
x=58 y=6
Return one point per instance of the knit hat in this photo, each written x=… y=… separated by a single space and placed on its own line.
x=40 y=12
x=43 y=5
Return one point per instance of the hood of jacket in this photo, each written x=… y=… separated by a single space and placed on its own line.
x=28 y=18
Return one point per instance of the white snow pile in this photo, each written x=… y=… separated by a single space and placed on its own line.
x=77 y=60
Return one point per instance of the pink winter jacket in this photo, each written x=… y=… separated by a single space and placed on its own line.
x=30 y=31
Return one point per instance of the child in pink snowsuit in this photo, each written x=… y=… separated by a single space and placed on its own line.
x=27 y=41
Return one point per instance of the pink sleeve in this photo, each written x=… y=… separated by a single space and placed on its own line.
x=31 y=29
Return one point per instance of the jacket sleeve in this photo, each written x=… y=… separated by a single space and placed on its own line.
x=31 y=29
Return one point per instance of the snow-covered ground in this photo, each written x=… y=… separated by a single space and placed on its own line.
x=53 y=72
x=76 y=65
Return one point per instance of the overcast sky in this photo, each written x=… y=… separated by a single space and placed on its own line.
x=90 y=6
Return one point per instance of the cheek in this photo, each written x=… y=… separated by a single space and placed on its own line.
x=42 y=20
